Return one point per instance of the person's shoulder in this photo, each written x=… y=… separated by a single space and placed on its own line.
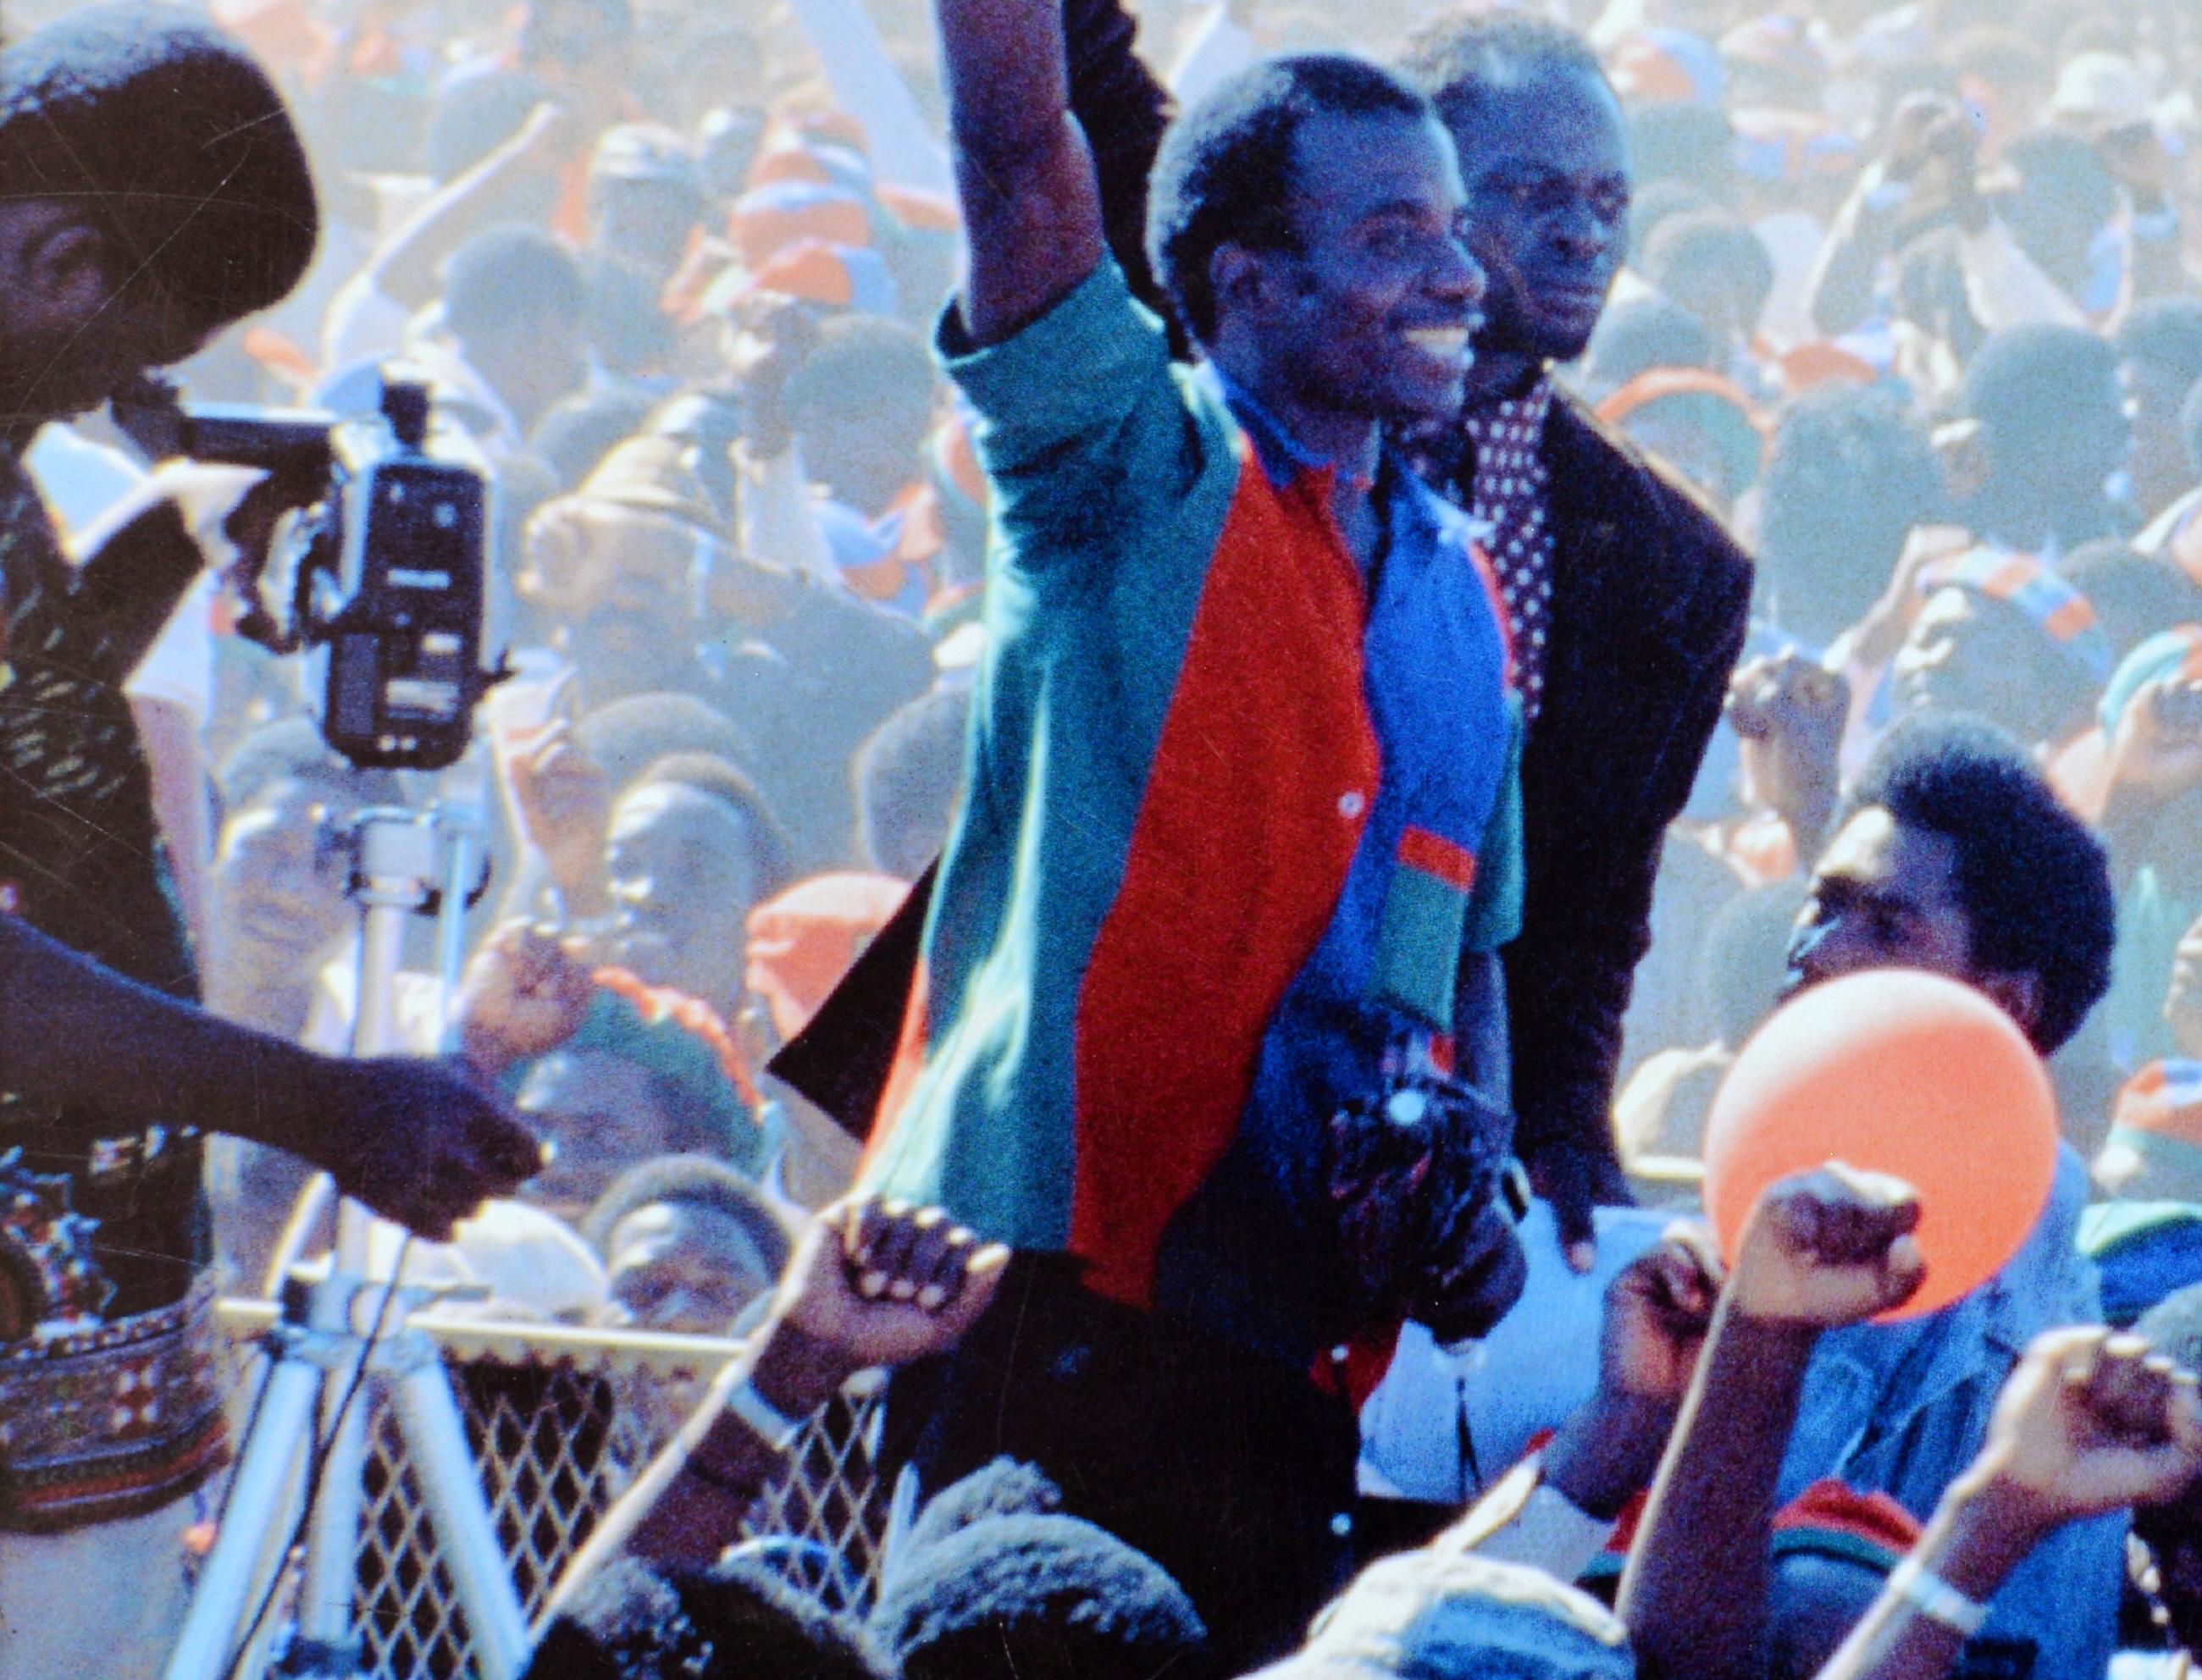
x=1610 y=462
x=1082 y=407
x=1096 y=326
x=1677 y=538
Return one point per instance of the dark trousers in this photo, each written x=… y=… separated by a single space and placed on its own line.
x=1230 y=1470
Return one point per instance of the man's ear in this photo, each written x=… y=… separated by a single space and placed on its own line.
x=1240 y=278
x=67 y=265
x=2019 y=995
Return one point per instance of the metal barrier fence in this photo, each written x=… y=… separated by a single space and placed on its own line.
x=561 y=1421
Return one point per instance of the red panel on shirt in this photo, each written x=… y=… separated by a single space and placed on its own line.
x=1434 y=855
x=1264 y=778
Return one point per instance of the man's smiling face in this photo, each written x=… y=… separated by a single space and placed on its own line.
x=1372 y=314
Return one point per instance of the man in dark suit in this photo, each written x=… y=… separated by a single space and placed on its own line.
x=1627 y=599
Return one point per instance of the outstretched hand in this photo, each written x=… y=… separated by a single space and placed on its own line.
x=2089 y=1422
x=419 y=1142
x=1657 y=1311
x=1828 y=1248
x=774 y=339
x=561 y=800
x=871 y=1283
x=525 y=993
x=1790 y=712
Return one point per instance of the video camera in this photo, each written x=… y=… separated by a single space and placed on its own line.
x=388 y=556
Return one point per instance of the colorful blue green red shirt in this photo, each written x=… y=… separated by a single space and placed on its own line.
x=1236 y=810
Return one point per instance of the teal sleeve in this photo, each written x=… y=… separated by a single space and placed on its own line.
x=1494 y=909
x=1086 y=433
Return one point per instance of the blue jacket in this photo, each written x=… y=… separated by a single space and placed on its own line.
x=1902 y=1409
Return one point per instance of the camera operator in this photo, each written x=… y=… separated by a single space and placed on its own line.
x=156 y=192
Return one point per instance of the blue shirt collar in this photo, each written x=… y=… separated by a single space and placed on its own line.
x=1283 y=456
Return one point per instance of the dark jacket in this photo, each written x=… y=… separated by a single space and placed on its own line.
x=1650 y=598
x=1649 y=602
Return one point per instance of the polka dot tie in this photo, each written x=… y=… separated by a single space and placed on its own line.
x=1509 y=499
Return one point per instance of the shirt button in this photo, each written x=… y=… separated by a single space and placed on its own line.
x=1341 y=1525
x=1340 y=1354
x=1351 y=805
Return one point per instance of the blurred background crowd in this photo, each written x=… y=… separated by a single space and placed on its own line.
x=1912 y=302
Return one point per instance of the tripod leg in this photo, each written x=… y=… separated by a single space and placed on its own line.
x=445 y=1468
x=290 y=1247
x=215 y=1626
x=325 y=1601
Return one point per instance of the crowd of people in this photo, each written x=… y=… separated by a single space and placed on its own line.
x=1182 y=675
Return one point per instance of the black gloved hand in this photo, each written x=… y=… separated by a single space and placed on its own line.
x=1575 y=1180
x=1413 y=1175
x=1470 y=1269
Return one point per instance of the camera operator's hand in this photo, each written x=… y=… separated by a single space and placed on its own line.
x=1828 y=1248
x=251 y=528
x=418 y=1142
x=525 y=993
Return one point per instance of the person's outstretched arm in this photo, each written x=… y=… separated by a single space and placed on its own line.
x=1658 y=1309
x=1821 y=1250
x=905 y=149
x=2089 y=1424
x=871 y=1285
x=412 y=1139
x=1032 y=210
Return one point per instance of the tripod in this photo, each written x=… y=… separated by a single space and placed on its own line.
x=328 y=1349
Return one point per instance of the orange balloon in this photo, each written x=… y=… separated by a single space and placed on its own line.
x=1900 y=1072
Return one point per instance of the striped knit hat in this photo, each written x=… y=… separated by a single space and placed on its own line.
x=2064 y=615
x=2158 y=1114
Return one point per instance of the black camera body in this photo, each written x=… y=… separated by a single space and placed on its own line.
x=389 y=558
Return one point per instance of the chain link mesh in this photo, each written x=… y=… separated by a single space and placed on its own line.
x=558 y=1438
